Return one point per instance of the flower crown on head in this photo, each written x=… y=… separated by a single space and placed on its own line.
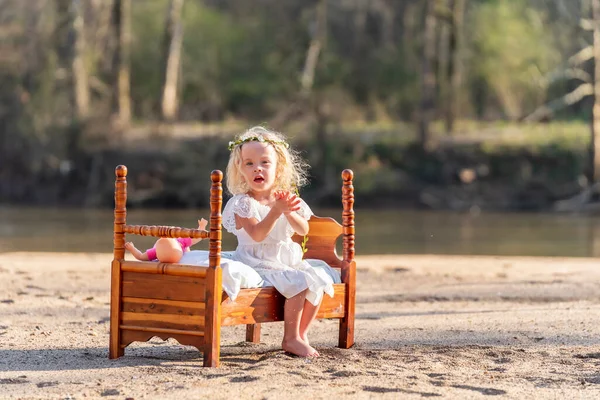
x=261 y=139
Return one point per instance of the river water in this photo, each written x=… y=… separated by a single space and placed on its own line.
x=377 y=232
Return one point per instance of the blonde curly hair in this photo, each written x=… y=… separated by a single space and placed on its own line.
x=291 y=168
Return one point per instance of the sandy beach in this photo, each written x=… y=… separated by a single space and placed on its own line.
x=426 y=326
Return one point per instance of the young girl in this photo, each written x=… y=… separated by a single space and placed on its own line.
x=166 y=250
x=264 y=213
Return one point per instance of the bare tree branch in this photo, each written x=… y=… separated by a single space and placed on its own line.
x=583 y=90
x=569 y=73
x=582 y=56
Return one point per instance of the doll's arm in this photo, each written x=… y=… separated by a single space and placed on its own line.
x=202 y=226
x=136 y=253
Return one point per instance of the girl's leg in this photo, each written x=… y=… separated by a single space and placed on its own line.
x=292 y=342
x=308 y=316
x=168 y=250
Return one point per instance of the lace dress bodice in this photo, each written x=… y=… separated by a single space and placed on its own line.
x=276 y=248
x=246 y=207
x=277 y=258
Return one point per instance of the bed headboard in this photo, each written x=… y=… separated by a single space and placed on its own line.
x=324 y=232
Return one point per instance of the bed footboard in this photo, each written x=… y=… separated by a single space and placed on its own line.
x=161 y=299
x=156 y=300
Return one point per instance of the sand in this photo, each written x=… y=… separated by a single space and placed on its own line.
x=426 y=326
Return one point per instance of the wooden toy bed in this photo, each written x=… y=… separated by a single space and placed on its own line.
x=187 y=303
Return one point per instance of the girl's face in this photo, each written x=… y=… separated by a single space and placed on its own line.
x=259 y=166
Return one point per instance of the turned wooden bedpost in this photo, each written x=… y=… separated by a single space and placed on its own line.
x=115 y=350
x=214 y=289
x=346 y=339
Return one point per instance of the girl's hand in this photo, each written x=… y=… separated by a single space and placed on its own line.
x=286 y=202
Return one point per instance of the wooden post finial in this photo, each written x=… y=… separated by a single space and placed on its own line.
x=216 y=176
x=120 y=212
x=347 y=175
x=121 y=171
x=216 y=202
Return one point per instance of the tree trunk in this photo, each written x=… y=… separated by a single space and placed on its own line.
x=80 y=73
x=173 y=40
x=410 y=13
x=317 y=42
x=104 y=40
x=427 y=106
x=595 y=139
x=443 y=57
x=62 y=43
x=456 y=66
x=122 y=17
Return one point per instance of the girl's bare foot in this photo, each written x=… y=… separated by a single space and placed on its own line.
x=299 y=348
x=315 y=352
x=305 y=340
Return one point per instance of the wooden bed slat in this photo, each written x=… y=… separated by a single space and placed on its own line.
x=261 y=305
x=253 y=306
x=156 y=306
x=165 y=321
x=151 y=267
x=333 y=307
x=166 y=287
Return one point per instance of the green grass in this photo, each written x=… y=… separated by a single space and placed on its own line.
x=492 y=136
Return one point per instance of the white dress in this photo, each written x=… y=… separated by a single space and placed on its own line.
x=277 y=259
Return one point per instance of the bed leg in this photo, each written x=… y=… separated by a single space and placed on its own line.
x=214 y=283
x=212 y=324
x=253 y=333
x=346 y=339
x=115 y=350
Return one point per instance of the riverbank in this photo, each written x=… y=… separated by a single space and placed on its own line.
x=427 y=326
x=482 y=167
